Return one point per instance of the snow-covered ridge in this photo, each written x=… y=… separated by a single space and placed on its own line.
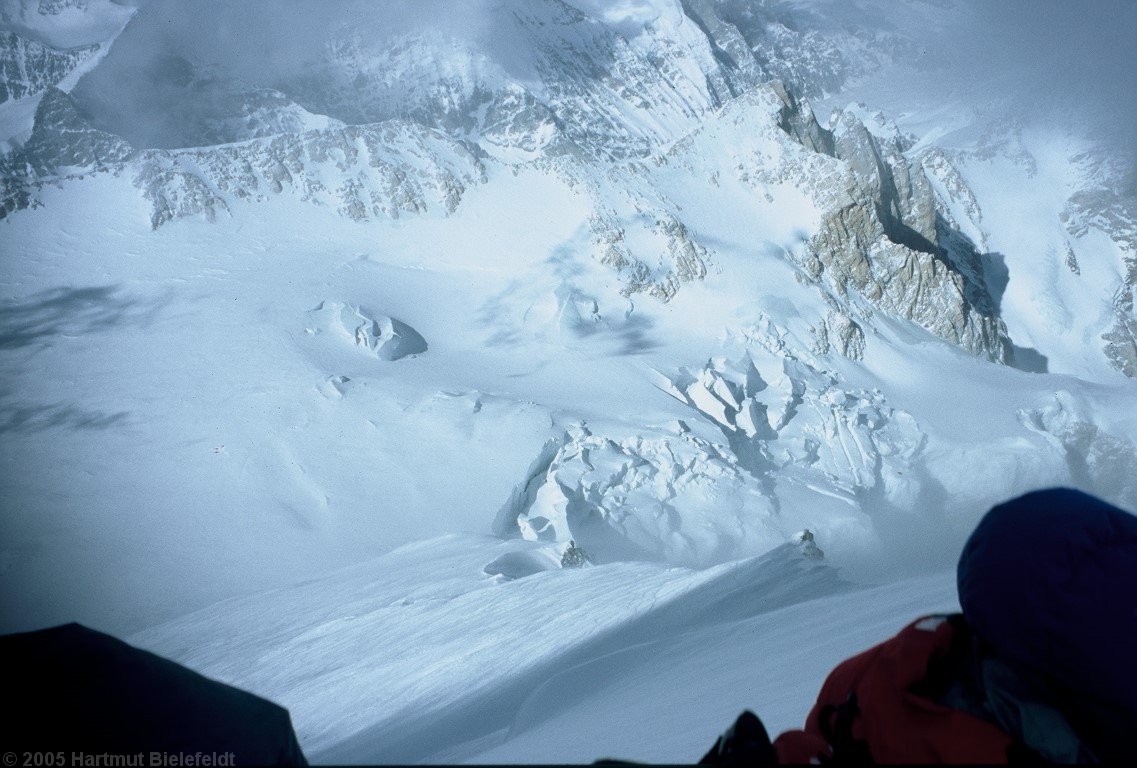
x=352 y=668
x=28 y=68
x=518 y=74
x=383 y=170
x=65 y=24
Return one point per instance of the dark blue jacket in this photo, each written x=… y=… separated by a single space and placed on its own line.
x=1049 y=581
x=73 y=690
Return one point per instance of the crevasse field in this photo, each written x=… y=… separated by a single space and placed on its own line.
x=324 y=327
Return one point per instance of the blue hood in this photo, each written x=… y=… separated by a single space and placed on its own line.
x=1049 y=581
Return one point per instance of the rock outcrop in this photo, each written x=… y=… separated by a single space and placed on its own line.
x=890 y=241
x=1111 y=210
x=884 y=241
x=28 y=68
x=380 y=171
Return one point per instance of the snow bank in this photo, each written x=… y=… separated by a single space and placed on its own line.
x=384 y=337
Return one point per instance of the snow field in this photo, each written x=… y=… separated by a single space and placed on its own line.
x=422 y=656
x=314 y=407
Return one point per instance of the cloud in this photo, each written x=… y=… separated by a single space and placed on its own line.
x=1073 y=61
x=181 y=66
x=629 y=17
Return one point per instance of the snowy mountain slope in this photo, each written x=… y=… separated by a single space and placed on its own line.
x=307 y=452
x=379 y=170
x=906 y=210
x=869 y=241
x=358 y=642
x=624 y=705
x=882 y=242
x=1040 y=145
x=275 y=304
x=360 y=660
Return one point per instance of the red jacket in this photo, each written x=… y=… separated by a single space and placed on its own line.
x=866 y=704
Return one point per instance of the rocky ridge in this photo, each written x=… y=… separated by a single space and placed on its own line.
x=380 y=171
x=28 y=68
x=885 y=241
x=1110 y=205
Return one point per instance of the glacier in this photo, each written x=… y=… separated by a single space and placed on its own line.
x=324 y=331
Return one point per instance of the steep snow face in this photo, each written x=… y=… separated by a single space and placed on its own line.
x=1064 y=312
x=1106 y=203
x=624 y=705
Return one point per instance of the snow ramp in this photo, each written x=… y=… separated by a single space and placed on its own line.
x=420 y=655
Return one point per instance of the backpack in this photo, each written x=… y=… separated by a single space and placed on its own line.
x=883 y=706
